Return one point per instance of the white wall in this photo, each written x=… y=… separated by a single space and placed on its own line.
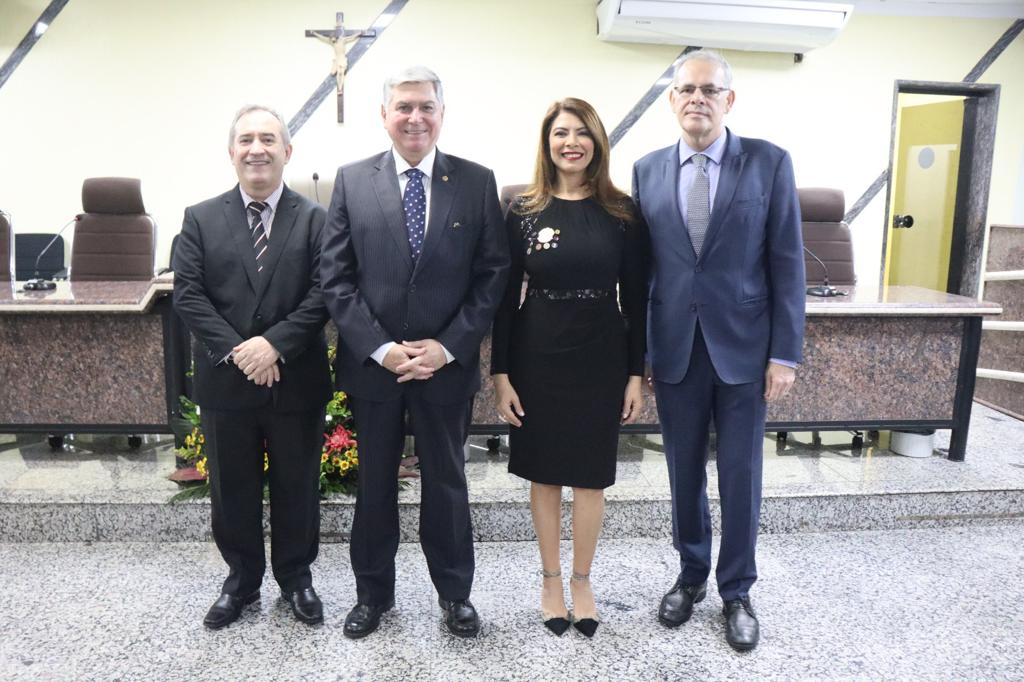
x=148 y=89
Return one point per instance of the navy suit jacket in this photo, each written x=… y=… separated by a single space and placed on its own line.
x=376 y=293
x=219 y=295
x=747 y=286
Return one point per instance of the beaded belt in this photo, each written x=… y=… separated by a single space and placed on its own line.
x=570 y=294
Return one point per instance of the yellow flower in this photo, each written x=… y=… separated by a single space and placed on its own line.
x=323 y=458
x=336 y=461
x=201 y=466
x=266 y=461
x=343 y=467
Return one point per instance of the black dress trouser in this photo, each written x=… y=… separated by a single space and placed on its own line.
x=235 y=443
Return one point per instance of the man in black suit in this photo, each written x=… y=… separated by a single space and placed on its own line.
x=247 y=284
x=414 y=263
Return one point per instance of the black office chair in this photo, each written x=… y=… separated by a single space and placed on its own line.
x=27 y=248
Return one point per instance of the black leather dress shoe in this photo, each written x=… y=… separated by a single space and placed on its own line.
x=227 y=609
x=306 y=606
x=677 y=606
x=741 y=628
x=460 y=617
x=364 y=619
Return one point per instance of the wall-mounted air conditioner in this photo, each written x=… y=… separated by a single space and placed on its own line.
x=761 y=25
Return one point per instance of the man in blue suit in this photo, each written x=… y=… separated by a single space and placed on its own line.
x=414 y=264
x=725 y=328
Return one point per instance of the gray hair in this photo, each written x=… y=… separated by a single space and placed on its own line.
x=707 y=56
x=413 y=74
x=286 y=136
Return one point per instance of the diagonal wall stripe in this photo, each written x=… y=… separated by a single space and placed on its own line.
x=645 y=102
x=358 y=49
x=30 y=39
x=972 y=77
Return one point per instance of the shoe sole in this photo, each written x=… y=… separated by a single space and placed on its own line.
x=360 y=635
x=676 y=623
x=742 y=647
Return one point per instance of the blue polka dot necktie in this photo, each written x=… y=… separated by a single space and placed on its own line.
x=698 y=203
x=414 y=204
x=259 y=235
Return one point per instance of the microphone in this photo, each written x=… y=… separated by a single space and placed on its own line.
x=316 y=189
x=825 y=290
x=37 y=283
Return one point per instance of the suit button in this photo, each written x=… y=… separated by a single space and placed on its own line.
x=700 y=268
x=405 y=325
x=259 y=318
x=693 y=308
x=412 y=288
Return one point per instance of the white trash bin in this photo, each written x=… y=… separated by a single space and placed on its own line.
x=913 y=443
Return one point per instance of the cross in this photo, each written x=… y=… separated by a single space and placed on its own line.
x=340 y=39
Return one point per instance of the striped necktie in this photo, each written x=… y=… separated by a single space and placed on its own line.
x=259 y=235
x=698 y=203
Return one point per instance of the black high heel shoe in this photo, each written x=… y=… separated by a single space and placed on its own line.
x=557 y=624
x=585 y=626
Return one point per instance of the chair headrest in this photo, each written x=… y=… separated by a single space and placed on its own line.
x=510 y=192
x=119 y=196
x=821 y=204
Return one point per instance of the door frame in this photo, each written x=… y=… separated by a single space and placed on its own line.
x=977 y=145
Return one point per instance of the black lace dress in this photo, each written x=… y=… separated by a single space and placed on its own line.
x=574 y=341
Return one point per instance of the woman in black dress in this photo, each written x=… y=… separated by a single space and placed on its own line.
x=568 y=361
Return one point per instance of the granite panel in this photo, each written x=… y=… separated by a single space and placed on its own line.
x=1009 y=294
x=1005 y=248
x=874 y=368
x=89 y=368
x=1003 y=394
x=1001 y=349
x=877 y=354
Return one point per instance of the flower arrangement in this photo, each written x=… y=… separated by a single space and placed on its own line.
x=339 y=459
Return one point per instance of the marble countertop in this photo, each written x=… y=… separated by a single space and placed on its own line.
x=898 y=300
x=138 y=297
x=85 y=297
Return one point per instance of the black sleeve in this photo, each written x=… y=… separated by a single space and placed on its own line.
x=501 y=335
x=633 y=274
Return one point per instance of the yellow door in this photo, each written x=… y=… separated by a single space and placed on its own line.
x=927 y=159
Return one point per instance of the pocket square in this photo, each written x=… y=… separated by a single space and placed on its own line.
x=456 y=225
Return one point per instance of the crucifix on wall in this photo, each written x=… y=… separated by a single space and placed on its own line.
x=339 y=39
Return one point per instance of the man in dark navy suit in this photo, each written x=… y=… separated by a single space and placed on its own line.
x=247 y=284
x=414 y=263
x=725 y=328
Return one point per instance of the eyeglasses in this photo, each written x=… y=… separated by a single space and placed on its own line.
x=709 y=91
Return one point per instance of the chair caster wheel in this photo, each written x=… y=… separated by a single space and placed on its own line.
x=134 y=442
x=55 y=442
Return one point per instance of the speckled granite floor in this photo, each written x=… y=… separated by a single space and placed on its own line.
x=97 y=489
x=927 y=604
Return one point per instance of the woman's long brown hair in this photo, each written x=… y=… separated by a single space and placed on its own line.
x=598 y=181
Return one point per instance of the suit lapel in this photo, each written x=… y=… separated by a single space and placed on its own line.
x=385 y=184
x=238 y=226
x=675 y=232
x=281 y=228
x=442 y=195
x=728 y=179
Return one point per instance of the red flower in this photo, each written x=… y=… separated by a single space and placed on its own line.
x=340 y=439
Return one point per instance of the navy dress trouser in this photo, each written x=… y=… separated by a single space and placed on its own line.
x=686 y=411
x=446 y=533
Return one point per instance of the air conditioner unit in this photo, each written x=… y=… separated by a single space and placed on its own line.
x=759 y=25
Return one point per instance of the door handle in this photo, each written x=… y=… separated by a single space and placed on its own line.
x=904 y=221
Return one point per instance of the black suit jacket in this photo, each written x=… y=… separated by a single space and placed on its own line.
x=222 y=299
x=376 y=294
